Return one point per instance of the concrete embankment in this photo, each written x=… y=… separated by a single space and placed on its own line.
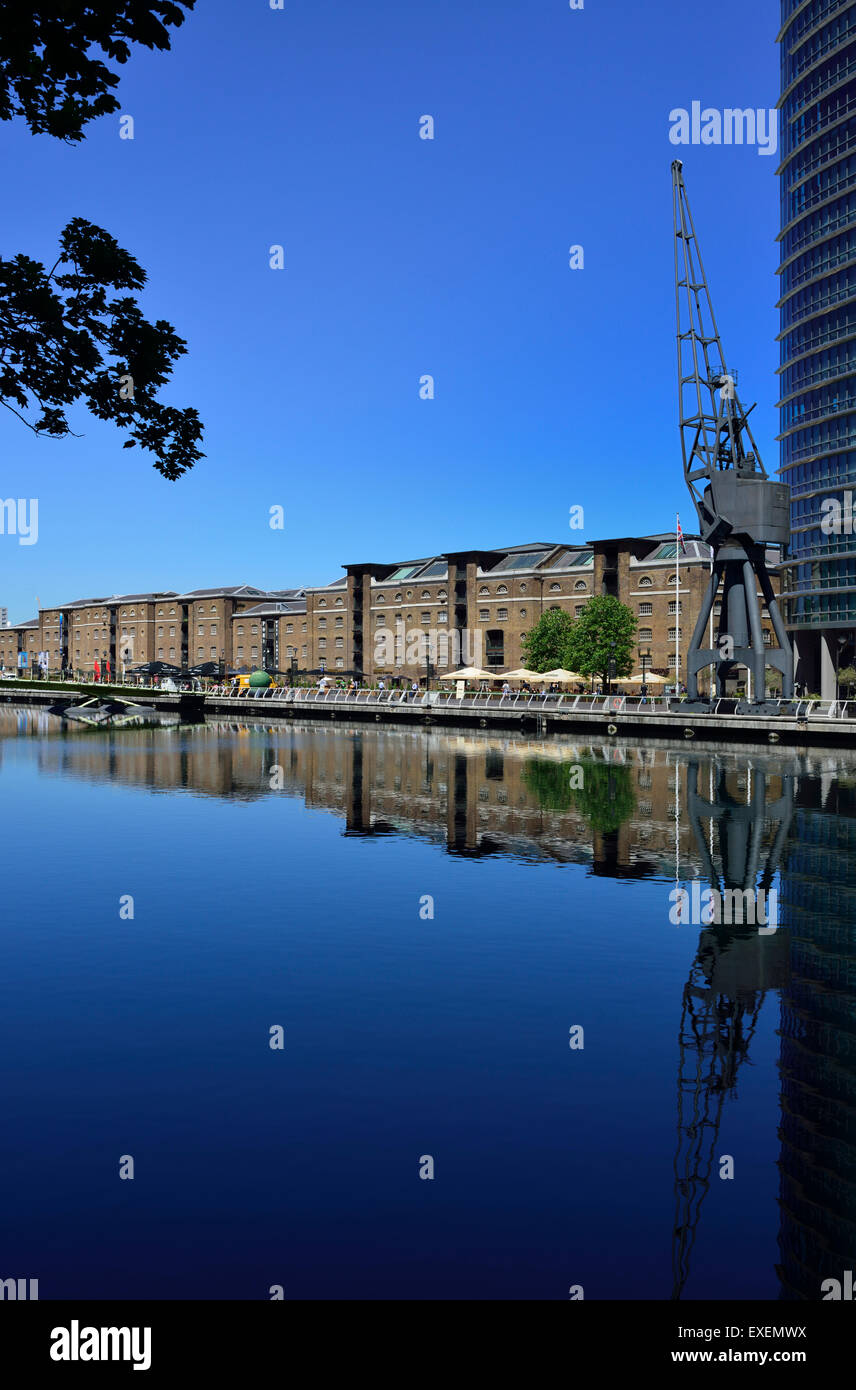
x=807 y=724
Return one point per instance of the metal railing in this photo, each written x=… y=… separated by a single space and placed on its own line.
x=517 y=701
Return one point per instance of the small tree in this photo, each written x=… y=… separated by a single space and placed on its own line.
x=604 y=631
x=847 y=679
x=545 y=644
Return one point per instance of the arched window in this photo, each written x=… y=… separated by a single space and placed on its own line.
x=398 y=598
x=426 y=593
x=484 y=590
x=495 y=647
x=502 y=589
x=580 y=585
x=523 y=588
x=380 y=599
x=340 y=603
x=673 y=579
x=646 y=582
x=441 y=593
x=322 y=603
x=555 y=588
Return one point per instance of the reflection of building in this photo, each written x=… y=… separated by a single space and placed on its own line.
x=475 y=794
x=818 y=327
x=818 y=1043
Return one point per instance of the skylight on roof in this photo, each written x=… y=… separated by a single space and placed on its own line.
x=405 y=572
x=521 y=562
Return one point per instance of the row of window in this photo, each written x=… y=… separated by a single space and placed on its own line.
x=822 y=574
x=815 y=334
x=821 y=608
x=646 y=610
x=831 y=108
x=840 y=28
x=815 y=405
x=832 y=70
x=832 y=144
x=827 y=183
x=826 y=437
x=821 y=223
x=838 y=471
x=820 y=366
x=814 y=299
x=808 y=18
x=815 y=544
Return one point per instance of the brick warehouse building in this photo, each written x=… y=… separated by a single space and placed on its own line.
x=459 y=607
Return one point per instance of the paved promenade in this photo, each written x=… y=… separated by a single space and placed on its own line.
x=807 y=722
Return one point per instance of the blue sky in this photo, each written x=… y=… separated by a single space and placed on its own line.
x=554 y=388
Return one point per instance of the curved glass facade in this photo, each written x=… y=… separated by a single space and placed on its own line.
x=817 y=246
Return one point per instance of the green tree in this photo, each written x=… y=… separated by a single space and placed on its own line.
x=545 y=644
x=847 y=679
x=50 y=73
x=64 y=336
x=604 y=630
x=606 y=798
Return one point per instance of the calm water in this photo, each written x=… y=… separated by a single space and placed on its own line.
x=304 y=904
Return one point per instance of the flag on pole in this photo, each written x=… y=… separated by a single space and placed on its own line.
x=681 y=538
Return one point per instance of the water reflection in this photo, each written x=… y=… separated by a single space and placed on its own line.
x=740 y=828
x=783 y=818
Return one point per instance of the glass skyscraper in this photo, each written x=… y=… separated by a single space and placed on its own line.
x=818 y=329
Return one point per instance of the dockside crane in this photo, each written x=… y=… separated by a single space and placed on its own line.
x=740 y=509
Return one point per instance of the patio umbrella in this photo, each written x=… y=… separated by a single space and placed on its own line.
x=648 y=679
x=521 y=675
x=471 y=673
x=155 y=668
x=562 y=677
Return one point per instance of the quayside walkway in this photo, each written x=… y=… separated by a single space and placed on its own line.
x=805 y=722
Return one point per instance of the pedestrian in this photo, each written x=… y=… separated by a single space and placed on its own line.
x=506 y=689
x=381 y=685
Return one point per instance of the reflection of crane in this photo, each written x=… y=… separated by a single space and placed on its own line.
x=740 y=510
x=725 y=992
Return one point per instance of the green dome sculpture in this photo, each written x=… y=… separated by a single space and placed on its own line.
x=260 y=678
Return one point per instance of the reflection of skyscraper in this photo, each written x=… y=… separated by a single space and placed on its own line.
x=818 y=1048
x=818 y=324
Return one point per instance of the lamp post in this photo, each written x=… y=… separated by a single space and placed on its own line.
x=610 y=670
x=645 y=658
x=839 y=647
